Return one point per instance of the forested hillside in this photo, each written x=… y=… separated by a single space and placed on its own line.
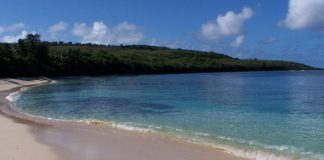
x=33 y=57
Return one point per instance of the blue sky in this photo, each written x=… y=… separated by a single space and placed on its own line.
x=276 y=29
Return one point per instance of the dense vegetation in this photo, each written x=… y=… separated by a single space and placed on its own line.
x=33 y=57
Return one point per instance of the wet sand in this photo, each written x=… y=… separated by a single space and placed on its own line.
x=27 y=138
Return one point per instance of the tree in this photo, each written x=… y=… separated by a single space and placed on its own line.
x=33 y=48
x=33 y=38
x=6 y=59
x=41 y=54
x=22 y=50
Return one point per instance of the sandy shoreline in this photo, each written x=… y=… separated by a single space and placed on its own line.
x=17 y=141
x=23 y=139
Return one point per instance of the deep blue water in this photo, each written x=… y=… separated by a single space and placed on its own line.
x=253 y=114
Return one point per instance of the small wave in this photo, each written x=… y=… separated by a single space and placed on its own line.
x=13 y=96
x=154 y=126
x=259 y=151
x=95 y=122
x=124 y=126
x=256 y=154
x=201 y=134
x=179 y=130
x=130 y=127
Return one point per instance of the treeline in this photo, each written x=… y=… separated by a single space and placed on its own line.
x=33 y=57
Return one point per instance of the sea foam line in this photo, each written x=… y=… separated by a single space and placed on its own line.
x=257 y=154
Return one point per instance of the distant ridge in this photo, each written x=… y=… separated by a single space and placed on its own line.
x=33 y=57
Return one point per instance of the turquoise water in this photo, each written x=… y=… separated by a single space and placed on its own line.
x=262 y=115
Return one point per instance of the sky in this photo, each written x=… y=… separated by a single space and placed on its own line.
x=278 y=29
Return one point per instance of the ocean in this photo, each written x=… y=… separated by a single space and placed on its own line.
x=259 y=115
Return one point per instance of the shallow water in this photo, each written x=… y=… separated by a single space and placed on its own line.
x=263 y=115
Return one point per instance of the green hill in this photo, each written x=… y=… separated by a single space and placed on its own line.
x=32 y=57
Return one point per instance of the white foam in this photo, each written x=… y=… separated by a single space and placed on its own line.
x=258 y=151
x=201 y=134
x=246 y=153
x=130 y=127
x=179 y=130
x=250 y=153
x=153 y=126
x=13 y=96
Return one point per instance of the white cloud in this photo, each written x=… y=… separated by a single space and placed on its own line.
x=12 y=28
x=80 y=29
x=123 y=33
x=16 y=26
x=98 y=34
x=127 y=33
x=238 y=41
x=14 y=38
x=305 y=14
x=58 y=27
x=230 y=24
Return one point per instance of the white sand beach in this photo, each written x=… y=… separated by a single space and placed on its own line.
x=17 y=142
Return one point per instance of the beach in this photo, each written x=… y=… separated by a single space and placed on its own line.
x=17 y=142
x=30 y=139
